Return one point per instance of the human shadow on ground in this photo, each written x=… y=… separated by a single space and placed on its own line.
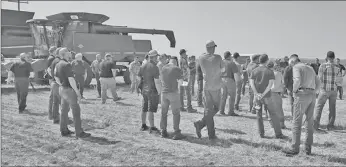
x=100 y=140
x=325 y=144
x=231 y=131
x=267 y=146
x=205 y=141
x=28 y=112
x=124 y=104
x=336 y=127
x=88 y=124
x=330 y=158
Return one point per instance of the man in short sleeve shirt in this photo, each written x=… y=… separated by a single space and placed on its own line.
x=212 y=66
x=149 y=73
x=70 y=96
x=261 y=82
x=186 y=77
x=107 y=78
x=239 y=83
x=339 y=77
x=80 y=72
x=170 y=75
x=252 y=65
x=229 y=84
x=22 y=71
x=95 y=67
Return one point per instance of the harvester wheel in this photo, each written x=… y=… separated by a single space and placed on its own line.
x=126 y=76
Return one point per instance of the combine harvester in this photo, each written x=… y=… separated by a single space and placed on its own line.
x=84 y=33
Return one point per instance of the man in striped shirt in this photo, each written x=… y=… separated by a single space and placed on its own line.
x=328 y=91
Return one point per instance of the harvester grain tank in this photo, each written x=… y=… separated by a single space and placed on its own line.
x=86 y=33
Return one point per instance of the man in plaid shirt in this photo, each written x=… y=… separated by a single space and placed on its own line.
x=328 y=91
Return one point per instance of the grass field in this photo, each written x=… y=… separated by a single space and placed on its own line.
x=31 y=139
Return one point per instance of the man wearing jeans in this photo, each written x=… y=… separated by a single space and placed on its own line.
x=239 y=83
x=200 y=85
x=95 y=67
x=70 y=95
x=80 y=72
x=340 y=75
x=327 y=75
x=229 y=78
x=212 y=66
x=192 y=76
x=170 y=75
x=20 y=72
x=253 y=64
x=305 y=84
x=261 y=81
x=107 y=78
x=185 y=89
x=288 y=81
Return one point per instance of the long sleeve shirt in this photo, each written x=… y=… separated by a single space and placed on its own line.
x=288 y=78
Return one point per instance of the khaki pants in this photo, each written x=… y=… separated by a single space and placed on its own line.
x=304 y=103
x=54 y=101
x=108 y=83
x=173 y=100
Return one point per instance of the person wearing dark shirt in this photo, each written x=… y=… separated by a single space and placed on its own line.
x=250 y=67
x=21 y=72
x=192 y=77
x=95 y=67
x=183 y=64
x=54 y=98
x=229 y=84
x=261 y=80
x=70 y=96
x=170 y=75
x=80 y=72
x=51 y=57
x=340 y=75
x=245 y=76
x=107 y=78
x=316 y=65
x=149 y=74
x=199 y=85
x=288 y=82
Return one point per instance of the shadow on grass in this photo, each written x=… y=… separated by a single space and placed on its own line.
x=267 y=146
x=88 y=124
x=100 y=140
x=35 y=114
x=205 y=141
x=329 y=158
x=8 y=91
x=336 y=127
x=231 y=131
x=325 y=144
x=124 y=104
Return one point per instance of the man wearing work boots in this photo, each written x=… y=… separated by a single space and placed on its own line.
x=185 y=89
x=107 y=79
x=21 y=72
x=239 y=83
x=171 y=76
x=250 y=67
x=95 y=67
x=229 y=78
x=54 y=108
x=305 y=84
x=70 y=96
x=80 y=72
x=261 y=81
x=150 y=74
x=212 y=67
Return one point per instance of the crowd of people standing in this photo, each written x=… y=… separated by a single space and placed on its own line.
x=165 y=80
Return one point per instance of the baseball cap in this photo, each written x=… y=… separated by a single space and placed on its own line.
x=330 y=55
x=270 y=64
x=182 y=51
x=210 y=43
x=153 y=53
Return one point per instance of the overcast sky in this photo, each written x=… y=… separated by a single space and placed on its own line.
x=309 y=29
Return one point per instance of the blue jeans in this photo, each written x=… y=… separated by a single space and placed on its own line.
x=54 y=101
x=321 y=100
x=22 y=88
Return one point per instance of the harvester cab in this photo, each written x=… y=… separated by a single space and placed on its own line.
x=85 y=33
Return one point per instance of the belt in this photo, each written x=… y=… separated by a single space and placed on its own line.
x=306 y=89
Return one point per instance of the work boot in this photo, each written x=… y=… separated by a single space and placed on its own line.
x=290 y=152
x=66 y=133
x=307 y=150
x=83 y=135
x=164 y=134
x=198 y=129
x=201 y=105
x=222 y=113
x=281 y=136
x=330 y=127
x=213 y=137
x=178 y=136
x=56 y=121
x=153 y=129
x=233 y=114
x=144 y=127
x=182 y=109
x=191 y=110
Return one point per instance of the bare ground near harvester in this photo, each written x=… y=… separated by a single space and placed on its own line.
x=31 y=139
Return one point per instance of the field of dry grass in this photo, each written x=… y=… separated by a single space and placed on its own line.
x=31 y=139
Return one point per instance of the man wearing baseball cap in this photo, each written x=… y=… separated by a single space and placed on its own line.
x=149 y=73
x=212 y=66
x=183 y=63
